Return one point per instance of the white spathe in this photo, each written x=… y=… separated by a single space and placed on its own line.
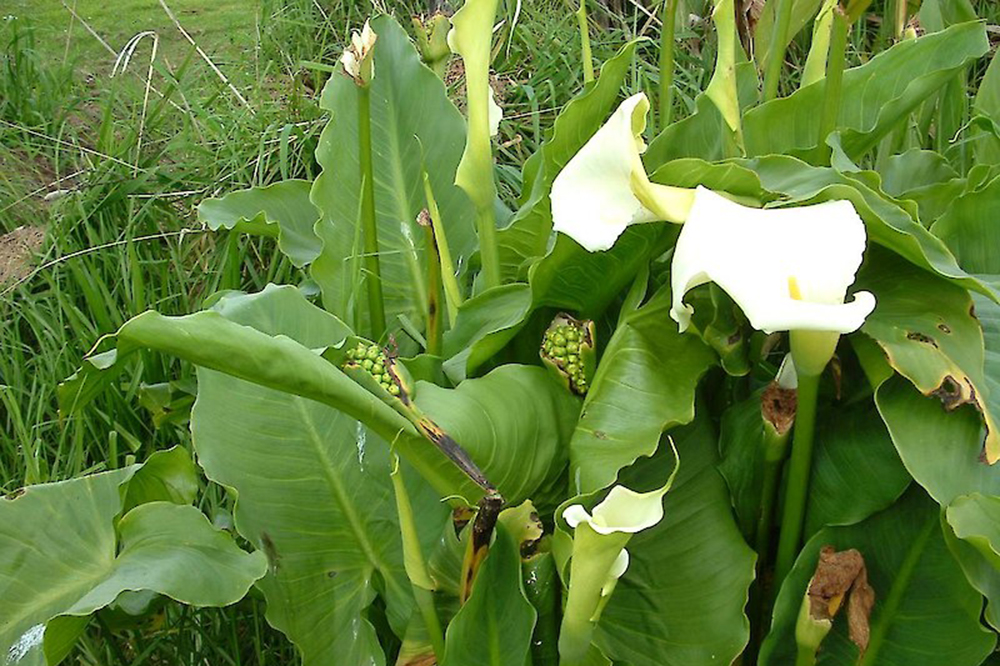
x=623 y=510
x=358 y=52
x=787 y=268
x=604 y=188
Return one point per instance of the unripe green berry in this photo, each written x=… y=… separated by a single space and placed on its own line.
x=572 y=368
x=559 y=340
x=572 y=334
x=572 y=347
x=559 y=352
x=378 y=367
x=572 y=358
x=393 y=389
x=367 y=364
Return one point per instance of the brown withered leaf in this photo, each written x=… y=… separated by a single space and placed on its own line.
x=839 y=576
x=778 y=405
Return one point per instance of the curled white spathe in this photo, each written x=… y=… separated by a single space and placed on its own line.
x=604 y=188
x=623 y=510
x=787 y=268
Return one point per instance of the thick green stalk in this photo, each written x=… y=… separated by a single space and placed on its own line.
x=434 y=329
x=425 y=602
x=799 y=470
x=775 y=451
x=776 y=54
x=667 y=32
x=452 y=292
x=470 y=37
x=415 y=564
x=900 y=22
x=834 y=80
x=805 y=656
x=586 y=56
x=369 y=226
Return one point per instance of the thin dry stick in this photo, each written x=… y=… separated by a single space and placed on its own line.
x=107 y=47
x=123 y=60
x=205 y=57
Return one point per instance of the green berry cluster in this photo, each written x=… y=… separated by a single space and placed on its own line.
x=562 y=345
x=373 y=360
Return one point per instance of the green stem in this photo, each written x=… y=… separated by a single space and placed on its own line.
x=369 y=227
x=452 y=292
x=776 y=54
x=414 y=563
x=434 y=330
x=901 y=11
x=799 y=470
x=425 y=602
x=585 y=54
x=667 y=32
x=833 y=84
x=901 y=581
x=806 y=656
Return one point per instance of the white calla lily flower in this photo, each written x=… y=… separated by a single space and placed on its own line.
x=787 y=268
x=599 y=556
x=604 y=188
x=357 y=58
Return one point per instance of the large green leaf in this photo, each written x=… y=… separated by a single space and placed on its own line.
x=414 y=127
x=940 y=449
x=60 y=556
x=970 y=227
x=645 y=383
x=925 y=612
x=875 y=96
x=855 y=472
x=494 y=626
x=976 y=519
x=526 y=237
x=214 y=340
x=282 y=209
x=313 y=491
x=681 y=601
x=516 y=421
x=485 y=324
x=987 y=103
x=928 y=330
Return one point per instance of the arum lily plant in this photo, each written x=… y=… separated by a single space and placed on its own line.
x=599 y=557
x=445 y=441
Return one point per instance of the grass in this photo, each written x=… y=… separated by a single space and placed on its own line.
x=123 y=177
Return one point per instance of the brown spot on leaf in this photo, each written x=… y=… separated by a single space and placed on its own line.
x=944 y=328
x=778 y=405
x=920 y=337
x=841 y=575
x=600 y=434
x=950 y=393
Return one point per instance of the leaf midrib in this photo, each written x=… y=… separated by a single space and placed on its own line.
x=896 y=592
x=337 y=491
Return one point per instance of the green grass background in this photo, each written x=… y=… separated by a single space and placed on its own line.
x=123 y=237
